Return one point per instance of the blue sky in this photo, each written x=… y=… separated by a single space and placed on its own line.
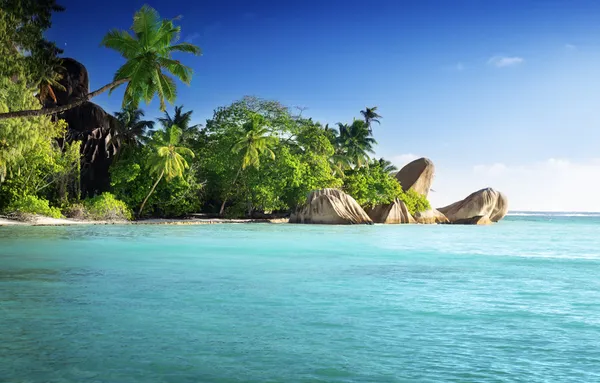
x=497 y=93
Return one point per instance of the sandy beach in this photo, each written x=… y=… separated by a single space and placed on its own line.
x=47 y=221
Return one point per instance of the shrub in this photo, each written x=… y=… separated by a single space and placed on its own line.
x=31 y=204
x=75 y=211
x=106 y=207
x=371 y=186
x=414 y=201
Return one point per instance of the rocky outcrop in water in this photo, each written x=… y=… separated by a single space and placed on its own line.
x=392 y=213
x=483 y=203
x=430 y=216
x=417 y=175
x=330 y=207
x=91 y=125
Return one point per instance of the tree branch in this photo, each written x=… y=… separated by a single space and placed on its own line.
x=62 y=108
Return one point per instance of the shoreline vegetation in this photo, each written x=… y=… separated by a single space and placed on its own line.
x=64 y=158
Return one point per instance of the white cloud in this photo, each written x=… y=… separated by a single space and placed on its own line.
x=552 y=185
x=505 y=61
x=459 y=67
x=570 y=47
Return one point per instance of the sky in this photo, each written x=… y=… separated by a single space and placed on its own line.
x=497 y=93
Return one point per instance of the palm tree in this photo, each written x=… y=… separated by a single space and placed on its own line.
x=148 y=53
x=182 y=120
x=370 y=115
x=132 y=130
x=385 y=165
x=355 y=143
x=168 y=159
x=255 y=142
x=49 y=78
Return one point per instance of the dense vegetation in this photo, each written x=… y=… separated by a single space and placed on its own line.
x=252 y=157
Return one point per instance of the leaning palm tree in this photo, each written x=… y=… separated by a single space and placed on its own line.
x=370 y=115
x=255 y=142
x=132 y=130
x=355 y=143
x=168 y=159
x=48 y=79
x=147 y=53
x=182 y=120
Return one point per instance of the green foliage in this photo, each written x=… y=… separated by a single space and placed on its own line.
x=31 y=160
x=22 y=25
x=131 y=184
x=182 y=120
x=31 y=204
x=414 y=201
x=354 y=144
x=374 y=186
x=256 y=142
x=279 y=158
x=106 y=207
x=132 y=130
x=371 y=186
x=148 y=52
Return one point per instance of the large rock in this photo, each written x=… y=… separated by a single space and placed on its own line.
x=417 y=175
x=485 y=202
x=430 y=216
x=478 y=220
x=91 y=125
x=331 y=207
x=395 y=212
x=75 y=80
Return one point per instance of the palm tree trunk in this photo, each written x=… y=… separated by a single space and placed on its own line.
x=227 y=195
x=59 y=109
x=151 y=191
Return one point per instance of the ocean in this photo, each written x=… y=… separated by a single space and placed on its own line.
x=518 y=301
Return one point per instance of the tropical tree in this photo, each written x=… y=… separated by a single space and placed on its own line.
x=255 y=142
x=370 y=115
x=385 y=165
x=132 y=130
x=168 y=159
x=354 y=143
x=148 y=53
x=182 y=120
x=49 y=76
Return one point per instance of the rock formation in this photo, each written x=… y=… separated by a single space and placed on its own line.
x=91 y=125
x=478 y=220
x=430 y=216
x=395 y=212
x=417 y=175
x=483 y=203
x=332 y=207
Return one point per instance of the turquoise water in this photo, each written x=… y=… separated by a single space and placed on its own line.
x=518 y=301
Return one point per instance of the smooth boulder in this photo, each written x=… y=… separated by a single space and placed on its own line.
x=417 y=175
x=330 y=207
x=431 y=216
x=485 y=202
x=478 y=220
x=392 y=213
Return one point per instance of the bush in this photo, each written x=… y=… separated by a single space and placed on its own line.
x=31 y=204
x=75 y=211
x=106 y=207
x=414 y=201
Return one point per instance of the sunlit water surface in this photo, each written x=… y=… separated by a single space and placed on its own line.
x=517 y=301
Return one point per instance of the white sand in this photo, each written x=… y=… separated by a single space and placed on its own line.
x=39 y=220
